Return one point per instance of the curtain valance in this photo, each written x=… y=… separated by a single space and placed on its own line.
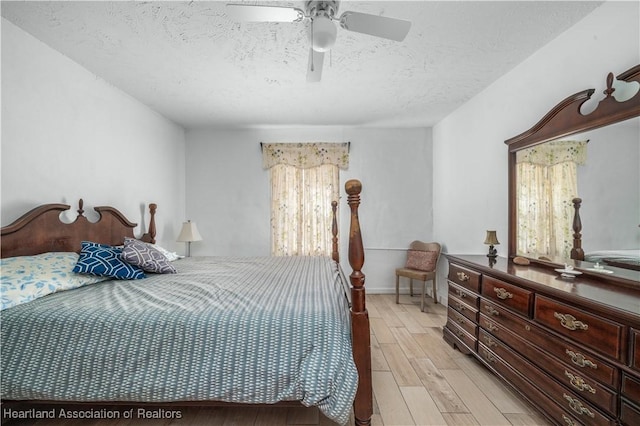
x=556 y=152
x=305 y=155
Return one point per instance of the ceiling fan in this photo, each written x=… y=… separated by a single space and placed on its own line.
x=322 y=15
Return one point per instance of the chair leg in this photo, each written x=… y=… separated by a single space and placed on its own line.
x=435 y=296
x=424 y=290
x=397 y=289
x=411 y=287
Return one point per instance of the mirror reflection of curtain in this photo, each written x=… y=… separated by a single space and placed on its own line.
x=547 y=182
x=305 y=179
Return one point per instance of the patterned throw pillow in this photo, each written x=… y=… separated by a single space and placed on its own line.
x=422 y=260
x=146 y=256
x=104 y=261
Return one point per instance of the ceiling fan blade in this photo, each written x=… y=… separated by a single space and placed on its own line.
x=251 y=13
x=314 y=70
x=379 y=26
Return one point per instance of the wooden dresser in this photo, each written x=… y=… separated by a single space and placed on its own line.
x=569 y=346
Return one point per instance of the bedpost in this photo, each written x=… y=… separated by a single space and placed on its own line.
x=150 y=237
x=576 y=252
x=335 y=255
x=363 y=404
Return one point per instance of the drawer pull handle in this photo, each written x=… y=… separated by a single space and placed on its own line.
x=489 y=356
x=503 y=293
x=578 y=383
x=569 y=322
x=568 y=420
x=578 y=359
x=459 y=319
x=491 y=326
x=459 y=306
x=577 y=406
x=489 y=341
x=460 y=294
x=462 y=276
x=492 y=311
x=460 y=333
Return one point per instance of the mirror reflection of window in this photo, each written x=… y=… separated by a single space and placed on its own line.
x=547 y=184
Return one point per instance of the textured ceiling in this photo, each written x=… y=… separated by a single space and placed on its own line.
x=191 y=63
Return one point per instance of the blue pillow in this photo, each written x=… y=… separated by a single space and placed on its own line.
x=105 y=261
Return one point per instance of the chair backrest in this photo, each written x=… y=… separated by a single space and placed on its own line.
x=423 y=256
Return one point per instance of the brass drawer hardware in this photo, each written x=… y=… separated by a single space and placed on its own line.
x=459 y=333
x=459 y=306
x=491 y=326
x=569 y=322
x=577 y=406
x=459 y=319
x=460 y=294
x=462 y=276
x=568 y=420
x=578 y=359
x=489 y=356
x=503 y=293
x=578 y=383
x=492 y=311
x=489 y=341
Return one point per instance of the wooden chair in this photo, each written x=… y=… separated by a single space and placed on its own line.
x=422 y=259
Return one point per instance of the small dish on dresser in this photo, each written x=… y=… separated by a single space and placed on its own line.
x=568 y=273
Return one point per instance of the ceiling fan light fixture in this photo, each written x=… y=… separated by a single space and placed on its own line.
x=324 y=33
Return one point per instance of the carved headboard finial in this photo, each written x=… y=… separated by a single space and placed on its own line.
x=80 y=207
x=610 y=89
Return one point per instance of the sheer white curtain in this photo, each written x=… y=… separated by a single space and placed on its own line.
x=305 y=179
x=547 y=184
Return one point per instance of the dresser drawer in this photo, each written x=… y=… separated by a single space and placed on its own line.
x=634 y=348
x=463 y=308
x=631 y=388
x=469 y=340
x=578 y=407
x=465 y=277
x=464 y=323
x=513 y=297
x=527 y=390
x=581 y=360
x=629 y=413
x=584 y=386
x=460 y=293
x=591 y=330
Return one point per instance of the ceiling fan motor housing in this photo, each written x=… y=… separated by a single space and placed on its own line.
x=322 y=8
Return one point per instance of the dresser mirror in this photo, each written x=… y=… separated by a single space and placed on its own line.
x=587 y=148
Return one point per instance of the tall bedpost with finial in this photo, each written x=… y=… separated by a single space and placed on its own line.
x=363 y=404
x=150 y=237
x=335 y=255
x=576 y=251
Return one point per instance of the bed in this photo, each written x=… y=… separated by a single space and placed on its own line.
x=222 y=330
x=621 y=258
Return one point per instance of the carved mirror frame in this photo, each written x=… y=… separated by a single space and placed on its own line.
x=566 y=119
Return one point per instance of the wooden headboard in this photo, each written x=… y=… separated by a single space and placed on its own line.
x=41 y=230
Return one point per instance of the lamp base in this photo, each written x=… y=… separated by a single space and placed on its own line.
x=492 y=252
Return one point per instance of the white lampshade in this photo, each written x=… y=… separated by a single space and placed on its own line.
x=189 y=232
x=324 y=34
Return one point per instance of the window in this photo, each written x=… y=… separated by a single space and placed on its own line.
x=305 y=179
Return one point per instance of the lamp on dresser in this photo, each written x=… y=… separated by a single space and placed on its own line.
x=492 y=240
x=188 y=234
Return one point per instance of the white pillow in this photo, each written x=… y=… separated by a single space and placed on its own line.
x=170 y=255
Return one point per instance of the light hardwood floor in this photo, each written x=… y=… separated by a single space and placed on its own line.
x=418 y=379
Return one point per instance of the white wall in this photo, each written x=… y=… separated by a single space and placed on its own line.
x=228 y=192
x=470 y=158
x=67 y=134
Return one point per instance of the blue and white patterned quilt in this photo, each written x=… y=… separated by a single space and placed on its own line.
x=248 y=330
